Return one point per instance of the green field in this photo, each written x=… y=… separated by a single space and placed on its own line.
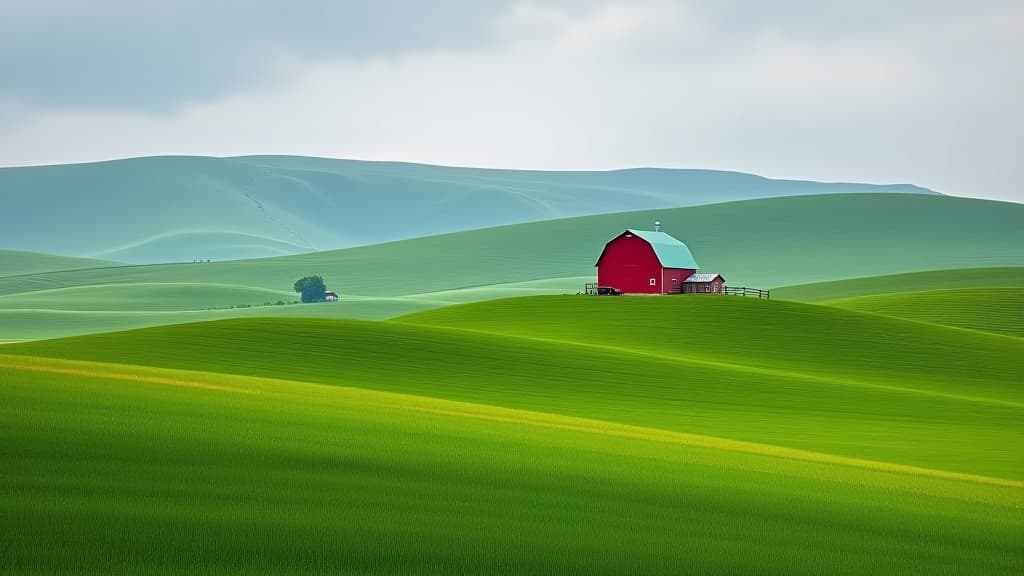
x=143 y=297
x=964 y=278
x=997 y=310
x=751 y=378
x=562 y=434
x=180 y=209
x=762 y=243
x=21 y=320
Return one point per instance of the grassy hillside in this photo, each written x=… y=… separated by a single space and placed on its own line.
x=144 y=297
x=141 y=470
x=20 y=325
x=826 y=389
x=16 y=262
x=74 y=312
x=755 y=334
x=998 y=310
x=180 y=209
x=763 y=243
x=912 y=282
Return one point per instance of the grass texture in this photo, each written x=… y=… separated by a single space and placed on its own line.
x=116 y=469
x=963 y=279
x=997 y=310
x=839 y=382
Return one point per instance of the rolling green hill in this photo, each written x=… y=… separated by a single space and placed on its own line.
x=143 y=297
x=752 y=333
x=563 y=434
x=766 y=372
x=180 y=209
x=140 y=470
x=763 y=243
x=16 y=262
x=964 y=278
x=997 y=310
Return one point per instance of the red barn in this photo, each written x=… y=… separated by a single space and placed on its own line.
x=642 y=262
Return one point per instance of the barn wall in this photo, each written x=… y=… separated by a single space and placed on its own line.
x=672 y=278
x=628 y=263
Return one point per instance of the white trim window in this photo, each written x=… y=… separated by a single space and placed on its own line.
x=654 y=281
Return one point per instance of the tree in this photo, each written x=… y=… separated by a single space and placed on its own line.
x=312 y=288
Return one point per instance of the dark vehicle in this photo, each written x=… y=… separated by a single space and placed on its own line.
x=608 y=291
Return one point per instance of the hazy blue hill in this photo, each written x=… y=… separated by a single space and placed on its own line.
x=179 y=209
x=17 y=262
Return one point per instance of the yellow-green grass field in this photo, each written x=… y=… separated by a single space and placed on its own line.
x=484 y=438
x=799 y=375
x=122 y=469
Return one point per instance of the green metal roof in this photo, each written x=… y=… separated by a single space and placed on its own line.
x=671 y=252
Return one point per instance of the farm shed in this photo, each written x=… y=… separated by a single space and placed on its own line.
x=699 y=283
x=331 y=296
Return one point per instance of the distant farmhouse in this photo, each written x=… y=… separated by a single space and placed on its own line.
x=330 y=296
x=643 y=262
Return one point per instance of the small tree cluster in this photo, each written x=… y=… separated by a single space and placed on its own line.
x=312 y=288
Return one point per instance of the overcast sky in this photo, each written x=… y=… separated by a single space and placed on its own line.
x=923 y=92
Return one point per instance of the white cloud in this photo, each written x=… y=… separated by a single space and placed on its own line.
x=629 y=84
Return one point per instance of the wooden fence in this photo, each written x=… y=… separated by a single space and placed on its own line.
x=592 y=288
x=743 y=291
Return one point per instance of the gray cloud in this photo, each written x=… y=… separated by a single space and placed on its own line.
x=155 y=55
x=919 y=92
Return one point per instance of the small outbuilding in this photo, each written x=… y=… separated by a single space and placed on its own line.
x=699 y=283
x=331 y=296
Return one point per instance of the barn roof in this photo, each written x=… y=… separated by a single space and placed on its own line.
x=705 y=277
x=671 y=252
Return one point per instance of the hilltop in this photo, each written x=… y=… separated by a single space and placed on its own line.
x=19 y=262
x=180 y=209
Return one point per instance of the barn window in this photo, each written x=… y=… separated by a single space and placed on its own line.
x=653 y=281
x=707 y=288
